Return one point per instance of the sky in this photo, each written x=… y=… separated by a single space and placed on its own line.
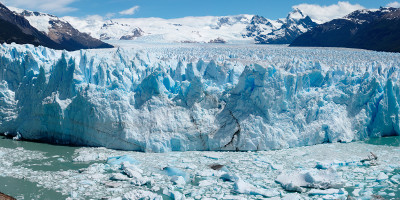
x=322 y=10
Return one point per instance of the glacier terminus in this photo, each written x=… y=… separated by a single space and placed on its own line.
x=184 y=97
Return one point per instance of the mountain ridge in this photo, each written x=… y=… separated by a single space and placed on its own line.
x=235 y=28
x=16 y=28
x=365 y=29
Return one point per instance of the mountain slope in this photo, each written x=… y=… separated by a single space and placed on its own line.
x=60 y=31
x=15 y=28
x=366 y=29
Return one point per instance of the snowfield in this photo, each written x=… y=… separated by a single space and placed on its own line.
x=183 y=97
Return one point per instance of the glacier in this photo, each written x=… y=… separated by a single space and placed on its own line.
x=187 y=97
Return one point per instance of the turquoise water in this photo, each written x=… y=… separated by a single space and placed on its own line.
x=389 y=141
x=58 y=158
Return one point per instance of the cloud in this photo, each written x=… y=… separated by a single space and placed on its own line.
x=52 y=6
x=394 y=4
x=323 y=14
x=130 y=11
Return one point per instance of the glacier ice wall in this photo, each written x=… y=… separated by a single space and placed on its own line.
x=198 y=97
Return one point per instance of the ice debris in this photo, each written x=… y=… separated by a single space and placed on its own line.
x=119 y=160
x=319 y=179
x=242 y=187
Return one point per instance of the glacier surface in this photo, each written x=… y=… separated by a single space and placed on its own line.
x=182 y=97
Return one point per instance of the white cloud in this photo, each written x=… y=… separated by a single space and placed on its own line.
x=394 y=4
x=326 y=13
x=130 y=11
x=50 y=6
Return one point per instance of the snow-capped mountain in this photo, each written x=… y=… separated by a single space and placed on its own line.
x=282 y=31
x=187 y=29
x=377 y=29
x=198 y=97
x=60 y=31
x=238 y=28
x=15 y=28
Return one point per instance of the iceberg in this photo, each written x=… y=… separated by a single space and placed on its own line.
x=198 y=97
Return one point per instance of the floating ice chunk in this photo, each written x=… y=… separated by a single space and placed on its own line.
x=395 y=179
x=87 y=182
x=205 y=183
x=292 y=196
x=243 y=187
x=173 y=171
x=212 y=155
x=320 y=179
x=230 y=177
x=112 y=184
x=134 y=173
x=141 y=194
x=90 y=154
x=356 y=192
x=119 y=177
x=178 y=180
x=175 y=195
x=118 y=160
x=331 y=191
x=381 y=177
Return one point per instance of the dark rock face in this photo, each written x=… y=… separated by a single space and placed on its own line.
x=135 y=34
x=373 y=30
x=218 y=40
x=15 y=28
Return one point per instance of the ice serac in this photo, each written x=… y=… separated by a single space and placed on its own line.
x=198 y=97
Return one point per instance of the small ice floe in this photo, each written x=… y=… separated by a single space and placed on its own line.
x=112 y=184
x=119 y=177
x=134 y=173
x=17 y=137
x=205 y=183
x=212 y=155
x=292 y=196
x=242 y=187
x=230 y=177
x=173 y=171
x=382 y=177
x=319 y=179
x=174 y=194
x=87 y=182
x=395 y=179
x=178 y=180
x=86 y=154
x=315 y=192
x=118 y=160
x=141 y=194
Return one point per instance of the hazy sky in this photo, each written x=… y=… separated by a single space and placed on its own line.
x=273 y=9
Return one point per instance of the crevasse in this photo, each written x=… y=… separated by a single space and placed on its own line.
x=198 y=97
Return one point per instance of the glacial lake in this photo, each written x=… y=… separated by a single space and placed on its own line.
x=31 y=170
